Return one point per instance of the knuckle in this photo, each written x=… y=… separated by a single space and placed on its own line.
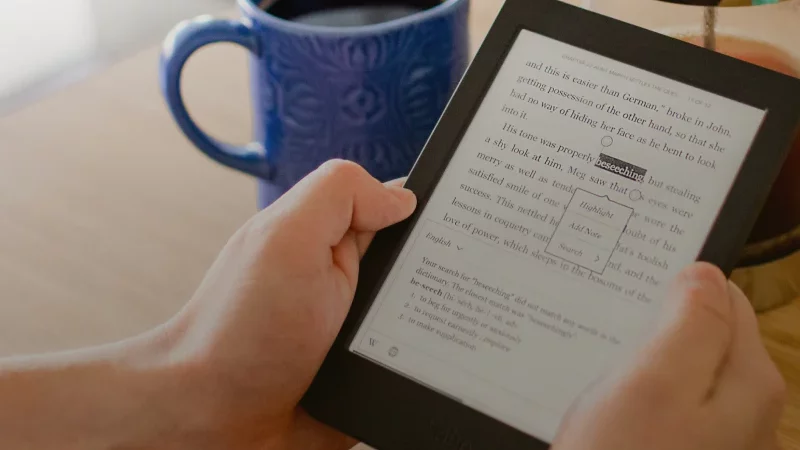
x=338 y=182
x=256 y=233
x=341 y=169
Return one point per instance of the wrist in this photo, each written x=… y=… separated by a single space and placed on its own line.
x=200 y=407
x=125 y=395
x=198 y=402
x=192 y=403
x=174 y=407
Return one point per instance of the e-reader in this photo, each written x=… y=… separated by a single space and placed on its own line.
x=580 y=164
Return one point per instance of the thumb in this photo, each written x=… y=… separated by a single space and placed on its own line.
x=341 y=196
x=694 y=332
x=364 y=238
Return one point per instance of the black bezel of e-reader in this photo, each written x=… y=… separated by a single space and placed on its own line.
x=389 y=411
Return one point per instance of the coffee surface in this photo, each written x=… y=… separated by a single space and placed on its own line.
x=347 y=13
x=356 y=16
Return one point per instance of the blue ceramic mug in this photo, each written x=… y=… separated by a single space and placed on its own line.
x=330 y=79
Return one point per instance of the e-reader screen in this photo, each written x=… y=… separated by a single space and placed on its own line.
x=580 y=188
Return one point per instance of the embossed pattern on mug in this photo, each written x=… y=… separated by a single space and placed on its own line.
x=402 y=93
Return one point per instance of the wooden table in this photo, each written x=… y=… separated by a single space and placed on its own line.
x=109 y=217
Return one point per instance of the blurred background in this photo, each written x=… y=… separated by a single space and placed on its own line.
x=47 y=45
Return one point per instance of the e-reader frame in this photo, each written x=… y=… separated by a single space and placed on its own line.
x=388 y=410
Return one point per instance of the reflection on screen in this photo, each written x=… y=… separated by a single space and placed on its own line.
x=581 y=187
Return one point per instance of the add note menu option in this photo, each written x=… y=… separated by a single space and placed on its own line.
x=589 y=230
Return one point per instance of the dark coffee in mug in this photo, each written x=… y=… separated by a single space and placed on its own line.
x=345 y=13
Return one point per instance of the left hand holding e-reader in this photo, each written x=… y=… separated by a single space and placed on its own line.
x=580 y=165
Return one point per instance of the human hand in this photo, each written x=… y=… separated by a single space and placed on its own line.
x=263 y=319
x=228 y=371
x=705 y=382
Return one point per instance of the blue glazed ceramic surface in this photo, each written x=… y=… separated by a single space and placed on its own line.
x=370 y=94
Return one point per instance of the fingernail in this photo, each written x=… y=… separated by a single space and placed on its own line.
x=704 y=276
x=403 y=194
x=699 y=288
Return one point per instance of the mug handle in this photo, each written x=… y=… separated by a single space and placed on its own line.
x=185 y=39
